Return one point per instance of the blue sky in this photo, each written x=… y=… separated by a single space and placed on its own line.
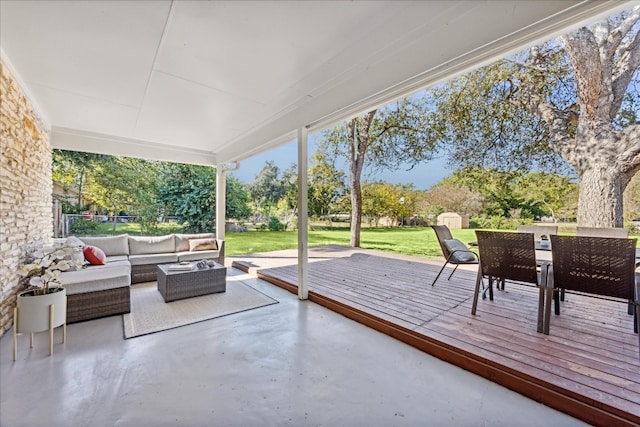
x=421 y=176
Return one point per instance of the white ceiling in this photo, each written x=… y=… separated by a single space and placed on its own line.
x=211 y=82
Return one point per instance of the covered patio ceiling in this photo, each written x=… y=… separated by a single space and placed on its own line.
x=215 y=82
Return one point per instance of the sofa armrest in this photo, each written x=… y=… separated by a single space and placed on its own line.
x=221 y=249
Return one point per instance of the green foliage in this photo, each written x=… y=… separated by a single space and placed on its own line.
x=123 y=184
x=275 y=224
x=71 y=208
x=326 y=186
x=148 y=220
x=83 y=227
x=398 y=135
x=188 y=191
x=237 y=203
x=514 y=194
x=380 y=200
x=494 y=222
x=72 y=169
x=478 y=120
x=267 y=189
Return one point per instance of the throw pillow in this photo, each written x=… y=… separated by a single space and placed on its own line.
x=203 y=245
x=94 y=255
x=460 y=251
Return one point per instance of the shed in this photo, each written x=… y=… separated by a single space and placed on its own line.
x=454 y=220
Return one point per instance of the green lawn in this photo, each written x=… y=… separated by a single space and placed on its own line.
x=107 y=228
x=416 y=241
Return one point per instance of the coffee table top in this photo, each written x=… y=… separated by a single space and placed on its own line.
x=165 y=268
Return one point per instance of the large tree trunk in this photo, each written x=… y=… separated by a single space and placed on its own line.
x=604 y=156
x=356 y=210
x=600 y=200
x=359 y=139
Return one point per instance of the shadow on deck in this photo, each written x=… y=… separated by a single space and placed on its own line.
x=587 y=367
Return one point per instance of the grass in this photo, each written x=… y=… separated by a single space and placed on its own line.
x=416 y=241
x=106 y=228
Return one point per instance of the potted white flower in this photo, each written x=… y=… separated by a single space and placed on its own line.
x=44 y=306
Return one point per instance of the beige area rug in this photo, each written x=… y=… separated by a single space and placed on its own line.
x=150 y=314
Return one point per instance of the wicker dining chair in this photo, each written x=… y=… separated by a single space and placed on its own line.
x=509 y=256
x=455 y=252
x=601 y=266
x=582 y=231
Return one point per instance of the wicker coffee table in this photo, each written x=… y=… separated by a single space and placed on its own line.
x=174 y=285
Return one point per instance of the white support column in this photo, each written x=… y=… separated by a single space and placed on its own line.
x=221 y=201
x=303 y=235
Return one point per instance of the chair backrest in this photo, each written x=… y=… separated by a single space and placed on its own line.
x=538 y=230
x=596 y=265
x=508 y=255
x=443 y=233
x=602 y=232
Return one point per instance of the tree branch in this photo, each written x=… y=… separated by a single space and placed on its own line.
x=628 y=64
x=629 y=153
x=618 y=34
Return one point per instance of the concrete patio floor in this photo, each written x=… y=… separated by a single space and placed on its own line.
x=293 y=363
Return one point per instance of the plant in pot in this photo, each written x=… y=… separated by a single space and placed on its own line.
x=44 y=305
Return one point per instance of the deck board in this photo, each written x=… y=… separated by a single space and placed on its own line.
x=588 y=366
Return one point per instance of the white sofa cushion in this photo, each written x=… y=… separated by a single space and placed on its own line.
x=110 y=245
x=144 y=259
x=117 y=258
x=197 y=256
x=139 y=245
x=96 y=278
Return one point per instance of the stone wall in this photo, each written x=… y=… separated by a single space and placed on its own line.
x=25 y=188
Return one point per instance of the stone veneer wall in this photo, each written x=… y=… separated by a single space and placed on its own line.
x=25 y=188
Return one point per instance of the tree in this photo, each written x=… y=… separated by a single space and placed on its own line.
x=267 y=189
x=326 y=186
x=605 y=59
x=189 y=192
x=554 y=194
x=386 y=137
x=121 y=183
x=499 y=190
x=378 y=200
x=574 y=98
x=237 y=203
x=448 y=196
x=71 y=169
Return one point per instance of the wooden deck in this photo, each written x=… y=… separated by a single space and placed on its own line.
x=587 y=367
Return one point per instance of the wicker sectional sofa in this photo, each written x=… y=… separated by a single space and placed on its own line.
x=104 y=290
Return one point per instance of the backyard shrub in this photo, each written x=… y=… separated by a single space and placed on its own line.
x=494 y=222
x=275 y=224
x=83 y=226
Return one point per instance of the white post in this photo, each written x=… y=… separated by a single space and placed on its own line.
x=221 y=201
x=303 y=235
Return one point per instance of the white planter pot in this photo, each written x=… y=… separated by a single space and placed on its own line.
x=33 y=311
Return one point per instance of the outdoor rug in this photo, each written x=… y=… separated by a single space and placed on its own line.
x=150 y=314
